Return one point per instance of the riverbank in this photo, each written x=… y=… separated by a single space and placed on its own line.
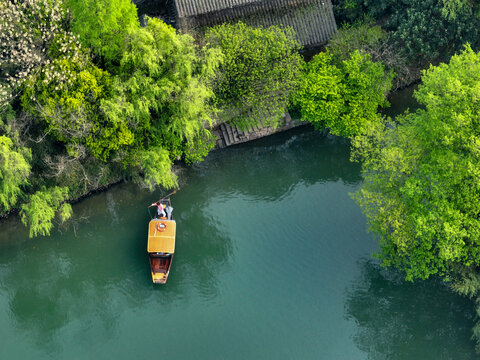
x=400 y=100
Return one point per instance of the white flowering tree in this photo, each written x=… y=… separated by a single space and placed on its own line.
x=33 y=35
x=27 y=29
x=65 y=95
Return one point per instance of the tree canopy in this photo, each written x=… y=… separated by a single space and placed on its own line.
x=259 y=73
x=453 y=8
x=421 y=173
x=342 y=95
x=14 y=172
x=66 y=95
x=161 y=92
x=27 y=29
x=39 y=212
x=421 y=30
x=101 y=98
x=103 y=26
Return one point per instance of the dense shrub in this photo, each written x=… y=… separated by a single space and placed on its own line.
x=342 y=95
x=259 y=73
x=422 y=30
x=371 y=39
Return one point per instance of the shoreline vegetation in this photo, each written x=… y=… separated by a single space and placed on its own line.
x=88 y=97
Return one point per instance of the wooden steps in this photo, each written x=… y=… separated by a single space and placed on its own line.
x=228 y=135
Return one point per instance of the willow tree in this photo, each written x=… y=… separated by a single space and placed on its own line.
x=103 y=26
x=161 y=91
x=14 y=172
x=145 y=99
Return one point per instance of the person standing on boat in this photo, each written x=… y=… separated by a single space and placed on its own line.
x=169 y=210
x=160 y=210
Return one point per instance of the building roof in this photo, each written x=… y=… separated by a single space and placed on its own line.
x=312 y=20
x=314 y=23
x=186 y=8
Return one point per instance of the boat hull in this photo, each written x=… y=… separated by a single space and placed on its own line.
x=160 y=267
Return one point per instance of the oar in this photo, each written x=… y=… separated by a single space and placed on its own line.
x=173 y=192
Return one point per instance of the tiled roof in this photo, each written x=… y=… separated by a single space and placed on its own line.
x=312 y=20
x=187 y=8
x=314 y=24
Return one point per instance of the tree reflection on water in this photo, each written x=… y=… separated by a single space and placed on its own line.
x=401 y=320
x=268 y=168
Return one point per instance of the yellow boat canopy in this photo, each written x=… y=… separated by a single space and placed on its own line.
x=161 y=236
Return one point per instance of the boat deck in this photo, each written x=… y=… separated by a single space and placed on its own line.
x=161 y=236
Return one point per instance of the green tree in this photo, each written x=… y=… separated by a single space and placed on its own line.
x=421 y=30
x=343 y=96
x=27 y=29
x=67 y=93
x=14 y=172
x=162 y=93
x=364 y=36
x=103 y=26
x=453 y=8
x=87 y=127
x=259 y=73
x=421 y=174
x=156 y=165
x=38 y=213
x=368 y=38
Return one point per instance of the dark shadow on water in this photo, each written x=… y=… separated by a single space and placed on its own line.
x=400 y=320
x=269 y=168
x=401 y=101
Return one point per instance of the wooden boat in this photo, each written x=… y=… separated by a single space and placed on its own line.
x=161 y=246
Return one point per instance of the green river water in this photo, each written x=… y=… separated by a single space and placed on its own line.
x=272 y=261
